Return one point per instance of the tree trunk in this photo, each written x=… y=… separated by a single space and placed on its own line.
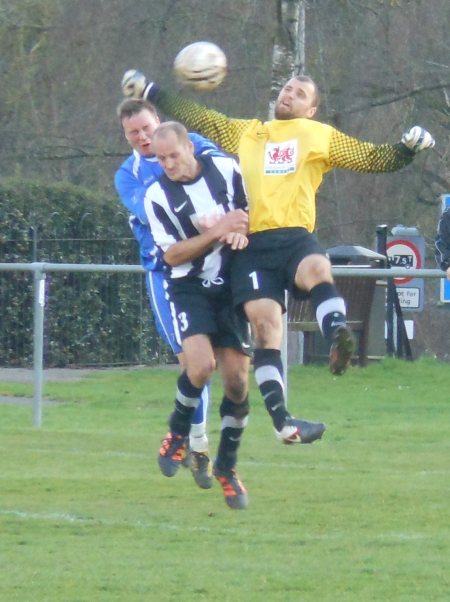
x=289 y=45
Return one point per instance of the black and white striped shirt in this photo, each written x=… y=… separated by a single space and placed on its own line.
x=174 y=210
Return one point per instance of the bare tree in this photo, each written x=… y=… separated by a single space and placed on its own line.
x=288 y=56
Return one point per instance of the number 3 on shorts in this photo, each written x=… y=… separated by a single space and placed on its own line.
x=254 y=278
x=183 y=321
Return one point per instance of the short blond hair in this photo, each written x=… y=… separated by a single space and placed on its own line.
x=171 y=126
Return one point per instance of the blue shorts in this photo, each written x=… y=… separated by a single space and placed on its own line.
x=159 y=301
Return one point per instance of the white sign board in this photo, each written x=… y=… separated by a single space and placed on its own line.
x=409 y=297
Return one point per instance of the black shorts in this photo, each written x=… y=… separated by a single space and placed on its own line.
x=202 y=307
x=267 y=267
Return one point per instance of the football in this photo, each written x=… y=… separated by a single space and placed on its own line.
x=200 y=66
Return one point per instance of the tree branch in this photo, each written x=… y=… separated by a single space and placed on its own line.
x=390 y=99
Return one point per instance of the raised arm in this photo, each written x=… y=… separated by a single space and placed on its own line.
x=350 y=153
x=223 y=130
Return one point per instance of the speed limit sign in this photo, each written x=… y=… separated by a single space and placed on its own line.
x=403 y=254
x=406 y=249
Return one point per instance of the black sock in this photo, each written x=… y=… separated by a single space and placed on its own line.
x=269 y=377
x=329 y=307
x=186 y=401
x=234 y=420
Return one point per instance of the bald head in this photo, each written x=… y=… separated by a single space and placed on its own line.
x=171 y=129
x=175 y=152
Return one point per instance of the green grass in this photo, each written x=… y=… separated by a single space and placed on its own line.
x=363 y=515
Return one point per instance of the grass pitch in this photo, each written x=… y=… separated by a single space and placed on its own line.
x=363 y=515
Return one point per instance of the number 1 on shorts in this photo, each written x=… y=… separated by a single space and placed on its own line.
x=254 y=278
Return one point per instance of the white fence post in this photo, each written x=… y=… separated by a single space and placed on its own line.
x=38 y=342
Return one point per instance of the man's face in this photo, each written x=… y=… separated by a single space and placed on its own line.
x=138 y=130
x=296 y=99
x=176 y=157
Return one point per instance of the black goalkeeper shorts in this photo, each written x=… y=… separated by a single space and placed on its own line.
x=266 y=268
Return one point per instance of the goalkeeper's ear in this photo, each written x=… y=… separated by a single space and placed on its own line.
x=417 y=139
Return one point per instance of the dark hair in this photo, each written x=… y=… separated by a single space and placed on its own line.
x=309 y=80
x=133 y=106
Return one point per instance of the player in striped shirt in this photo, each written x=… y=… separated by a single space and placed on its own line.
x=197 y=214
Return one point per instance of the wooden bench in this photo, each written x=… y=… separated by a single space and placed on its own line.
x=358 y=294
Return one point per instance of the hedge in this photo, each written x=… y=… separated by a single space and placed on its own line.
x=90 y=318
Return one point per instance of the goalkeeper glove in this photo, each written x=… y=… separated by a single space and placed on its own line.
x=134 y=84
x=417 y=139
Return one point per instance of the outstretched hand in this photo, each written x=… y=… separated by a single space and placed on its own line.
x=135 y=85
x=417 y=139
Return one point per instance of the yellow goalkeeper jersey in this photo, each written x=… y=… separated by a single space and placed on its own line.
x=283 y=161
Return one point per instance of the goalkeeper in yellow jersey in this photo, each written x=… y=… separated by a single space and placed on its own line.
x=283 y=162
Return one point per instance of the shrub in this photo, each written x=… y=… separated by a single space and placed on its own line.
x=90 y=318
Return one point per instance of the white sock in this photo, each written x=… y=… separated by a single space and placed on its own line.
x=198 y=441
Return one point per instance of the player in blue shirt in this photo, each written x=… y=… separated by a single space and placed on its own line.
x=139 y=119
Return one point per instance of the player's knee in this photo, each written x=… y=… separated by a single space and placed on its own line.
x=237 y=386
x=266 y=331
x=200 y=373
x=313 y=270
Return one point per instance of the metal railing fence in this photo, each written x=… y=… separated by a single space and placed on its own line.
x=41 y=269
x=85 y=310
